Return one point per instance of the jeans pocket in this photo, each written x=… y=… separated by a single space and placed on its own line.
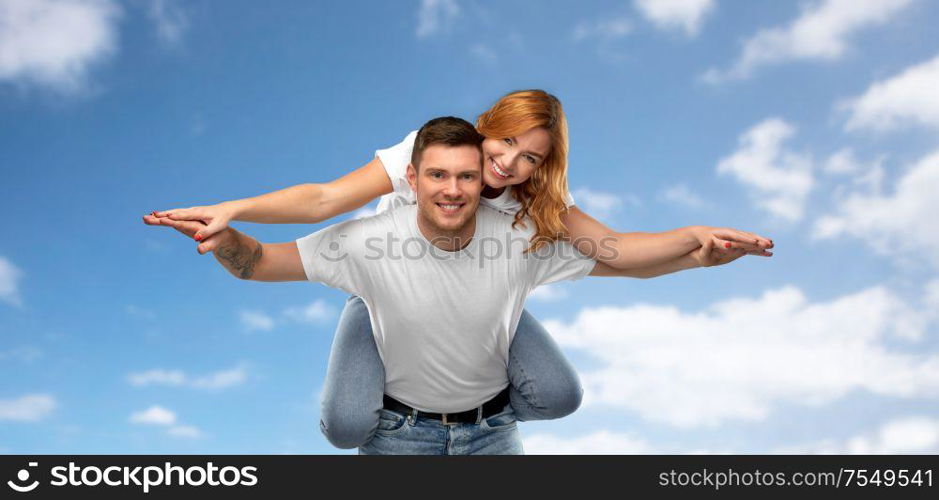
x=501 y=421
x=390 y=422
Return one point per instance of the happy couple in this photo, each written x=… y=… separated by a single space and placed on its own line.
x=434 y=353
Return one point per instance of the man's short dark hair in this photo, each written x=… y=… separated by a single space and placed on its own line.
x=448 y=130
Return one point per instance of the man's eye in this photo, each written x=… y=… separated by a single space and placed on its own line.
x=436 y=175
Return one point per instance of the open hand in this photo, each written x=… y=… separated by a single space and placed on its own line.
x=214 y=217
x=192 y=229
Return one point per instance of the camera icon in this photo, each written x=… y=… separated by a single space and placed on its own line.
x=23 y=476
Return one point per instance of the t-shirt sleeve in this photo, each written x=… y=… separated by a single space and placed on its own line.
x=395 y=160
x=569 y=200
x=328 y=257
x=556 y=262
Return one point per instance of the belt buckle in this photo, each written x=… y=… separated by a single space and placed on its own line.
x=443 y=418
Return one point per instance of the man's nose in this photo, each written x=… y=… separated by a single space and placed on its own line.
x=452 y=187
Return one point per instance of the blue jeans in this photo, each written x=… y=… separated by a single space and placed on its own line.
x=543 y=384
x=402 y=434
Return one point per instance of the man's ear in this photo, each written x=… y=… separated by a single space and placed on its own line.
x=412 y=177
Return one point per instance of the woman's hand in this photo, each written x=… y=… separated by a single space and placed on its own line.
x=732 y=239
x=717 y=251
x=215 y=218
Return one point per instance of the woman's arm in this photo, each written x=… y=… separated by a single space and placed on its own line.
x=639 y=250
x=707 y=255
x=303 y=203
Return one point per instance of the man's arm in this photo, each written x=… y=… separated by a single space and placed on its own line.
x=243 y=256
x=248 y=259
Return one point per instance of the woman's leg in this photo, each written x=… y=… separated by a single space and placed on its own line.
x=544 y=384
x=355 y=380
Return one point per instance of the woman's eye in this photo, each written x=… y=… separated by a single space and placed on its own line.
x=531 y=159
x=508 y=140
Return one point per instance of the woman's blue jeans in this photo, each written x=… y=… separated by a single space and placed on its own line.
x=543 y=384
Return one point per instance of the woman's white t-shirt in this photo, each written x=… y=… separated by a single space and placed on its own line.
x=396 y=160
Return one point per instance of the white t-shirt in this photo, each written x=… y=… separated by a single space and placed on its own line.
x=442 y=321
x=396 y=159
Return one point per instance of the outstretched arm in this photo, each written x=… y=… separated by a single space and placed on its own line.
x=639 y=250
x=243 y=256
x=706 y=255
x=303 y=203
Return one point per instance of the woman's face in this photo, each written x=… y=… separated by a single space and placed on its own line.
x=511 y=160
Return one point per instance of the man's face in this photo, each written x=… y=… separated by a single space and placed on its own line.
x=447 y=186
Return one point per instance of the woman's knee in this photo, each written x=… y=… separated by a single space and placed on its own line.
x=561 y=396
x=347 y=429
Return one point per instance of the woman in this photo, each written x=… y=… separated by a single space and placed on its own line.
x=525 y=174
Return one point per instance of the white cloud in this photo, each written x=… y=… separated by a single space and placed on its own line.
x=900 y=223
x=606 y=30
x=681 y=195
x=9 y=282
x=184 y=431
x=904 y=435
x=222 y=379
x=484 y=53
x=155 y=415
x=217 y=380
x=602 y=442
x=741 y=358
x=139 y=312
x=821 y=32
x=26 y=354
x=54 y=43
x=317 y=312
x=842 y=162
x=780 y=179
x=548 y=293
x=170 y=20
x=599 y=204
x=255 y=320
x=436 y=16
x=909 y=98
x=29 y=408
x=157 y=377
x=685 y=15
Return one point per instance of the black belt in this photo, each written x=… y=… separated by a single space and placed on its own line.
x=489 y=408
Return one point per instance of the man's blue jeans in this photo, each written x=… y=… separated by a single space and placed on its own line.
x=543 y=384
x=401 y=434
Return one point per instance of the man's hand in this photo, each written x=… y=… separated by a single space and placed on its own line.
x=215 y=218
x=191 y=229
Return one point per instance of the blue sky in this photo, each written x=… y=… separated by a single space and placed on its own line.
x=813 y=123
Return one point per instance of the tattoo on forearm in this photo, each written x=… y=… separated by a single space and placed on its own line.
x=240 y=259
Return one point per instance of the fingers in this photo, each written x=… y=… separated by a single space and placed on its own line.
x=211 y=230
x=743 y=237
x=188 y=214
x=209 y=244
x=165 y=213
x=188 y=228
x=150 y=220
x=728 y=245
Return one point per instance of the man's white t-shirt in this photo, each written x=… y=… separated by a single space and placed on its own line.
x=396 y=159
x=442 y=321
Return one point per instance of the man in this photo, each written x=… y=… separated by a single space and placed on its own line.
x=445 y=283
